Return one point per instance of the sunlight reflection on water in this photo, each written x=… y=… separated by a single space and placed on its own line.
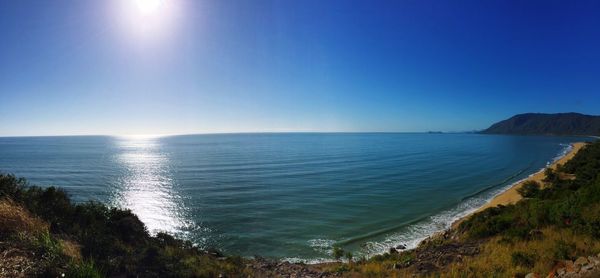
x=147 y=185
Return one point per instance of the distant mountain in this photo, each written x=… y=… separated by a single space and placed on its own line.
x=548 y=124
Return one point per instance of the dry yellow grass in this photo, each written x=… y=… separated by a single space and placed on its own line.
x=495 y=259
x=15 y=219
x=71 y=249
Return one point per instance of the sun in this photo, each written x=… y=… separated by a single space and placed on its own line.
x=148 y=7
x=147 y=23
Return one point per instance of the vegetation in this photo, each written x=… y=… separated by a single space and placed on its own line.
x=557 y=124
x=572 y=204
x=561 y=221
x=92 y=240
x=558 y=222
x=525 y=259
x=338 y=252
x=529 y=189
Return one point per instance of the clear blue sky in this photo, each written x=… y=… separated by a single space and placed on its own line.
x=122 y=67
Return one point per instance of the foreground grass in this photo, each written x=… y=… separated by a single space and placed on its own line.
x=501 y=258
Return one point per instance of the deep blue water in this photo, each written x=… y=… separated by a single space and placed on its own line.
x=286 y=195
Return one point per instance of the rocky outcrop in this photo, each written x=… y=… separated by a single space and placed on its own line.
x=582 y=267
x=261 y=267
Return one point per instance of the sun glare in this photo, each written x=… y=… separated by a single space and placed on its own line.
x=148 y=7
x=147 y=22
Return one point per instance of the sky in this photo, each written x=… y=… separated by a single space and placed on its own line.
x=71 y=67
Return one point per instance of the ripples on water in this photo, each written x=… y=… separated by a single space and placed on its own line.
x=146 y=186
x=287 y=196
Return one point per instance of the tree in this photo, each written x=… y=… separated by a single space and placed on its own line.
x=529 y=189
x=551 y=176
x=349 y=256
x=338 y=253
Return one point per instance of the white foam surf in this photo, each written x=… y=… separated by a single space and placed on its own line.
x=412 y=235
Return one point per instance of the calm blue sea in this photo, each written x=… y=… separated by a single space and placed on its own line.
x=287 y=196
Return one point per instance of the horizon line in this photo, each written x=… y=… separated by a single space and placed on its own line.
x=232 y=133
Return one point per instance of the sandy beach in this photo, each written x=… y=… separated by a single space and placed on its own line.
x=511 y=195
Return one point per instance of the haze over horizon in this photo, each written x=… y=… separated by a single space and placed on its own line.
x=187 y=67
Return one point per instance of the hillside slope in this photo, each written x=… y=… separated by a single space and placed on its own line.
x=547 y=124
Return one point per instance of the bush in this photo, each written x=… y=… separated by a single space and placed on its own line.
x=338 y=252
x=83 y=269
x=564 y=250
x=489 y=222
x=529 y=189
x=523 y=259
x=563 y=203
x=349 y=256
x=115 y=240
x=551 y=176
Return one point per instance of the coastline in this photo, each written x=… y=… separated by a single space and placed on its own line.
x=511 y=196
x=505 y=197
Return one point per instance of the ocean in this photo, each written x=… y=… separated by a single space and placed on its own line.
x=288 y=196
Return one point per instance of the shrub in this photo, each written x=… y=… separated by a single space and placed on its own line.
x=518 y=232
x=337 y=252
x=523 y=259
x=489 y=222
x=564 y=250
x=349 y=256
x=115 y=240
x=341 y=268
x=11 y=186
x=529 y=189
x=550 y=175
x=83 y=269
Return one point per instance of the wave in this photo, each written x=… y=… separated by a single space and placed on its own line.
x=411 y=234
x=416 y=233
x=488 y=188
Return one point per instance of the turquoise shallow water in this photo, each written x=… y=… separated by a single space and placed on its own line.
x=287 y=196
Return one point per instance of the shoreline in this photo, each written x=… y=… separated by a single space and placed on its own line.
x=508 y=196
x=511 y=196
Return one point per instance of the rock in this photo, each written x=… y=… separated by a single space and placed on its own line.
x=561 y=271
x=581 y=261
x=393 y=250
x=532 y=275
x=425 y=267
x=536 y=234
x=594 y=260
x=401 y=247
x=570 y=266
x=587 y=267
x=214 y=252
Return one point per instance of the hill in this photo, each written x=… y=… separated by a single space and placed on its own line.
x=548 y=124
